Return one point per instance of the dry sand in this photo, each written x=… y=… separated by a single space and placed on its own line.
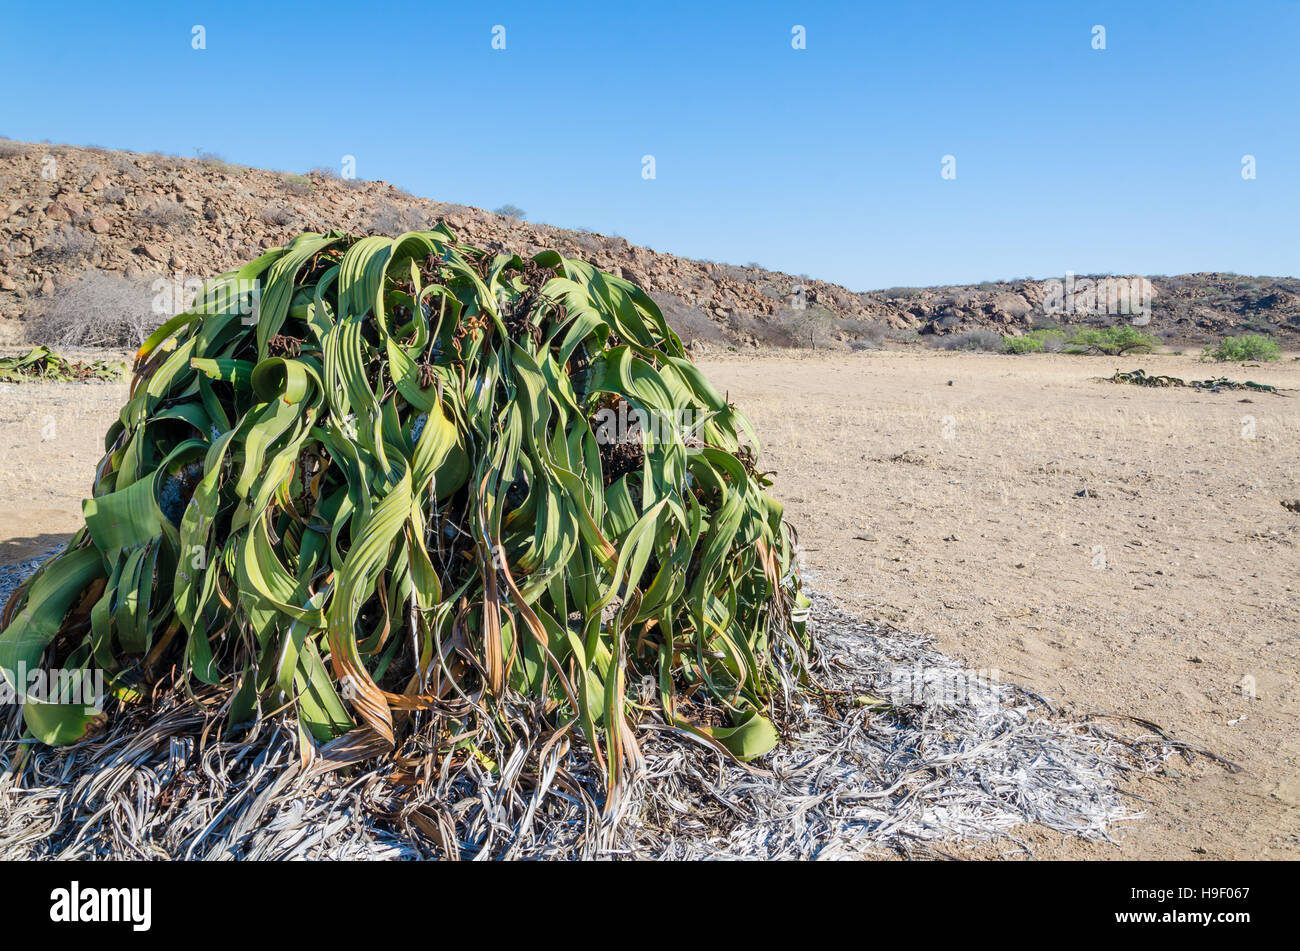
x=952 y=509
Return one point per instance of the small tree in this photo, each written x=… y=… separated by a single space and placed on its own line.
x=512 y=211
x=1111 y=341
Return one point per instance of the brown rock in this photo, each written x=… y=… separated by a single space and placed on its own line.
x=99 y=224
x=152 y=251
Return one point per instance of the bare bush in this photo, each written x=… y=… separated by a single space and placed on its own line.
x=807 y=326
x=584 y=241
x=391 y=219
x=511 y=211
x=689 y=322
x=168 y=160
x=67 y=245
x=96 y=309
x=114 y=195
x=9 y=148
x=864 y=334
x=128 y=168
x=218 y=162
x=165 y=212
x=985 y=340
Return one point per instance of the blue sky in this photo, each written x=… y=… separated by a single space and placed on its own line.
x=823 y=161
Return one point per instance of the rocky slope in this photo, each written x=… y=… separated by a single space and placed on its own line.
x=67 y=211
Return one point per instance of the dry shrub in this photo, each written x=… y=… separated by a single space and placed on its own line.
x=389 y=218
x=67 y=245
x=296 y=184
x=985 y=340
x=689 y=322
x=126 y=167
x=865 y=334
x=809 y=326
x=165 y=212
x=95 y=309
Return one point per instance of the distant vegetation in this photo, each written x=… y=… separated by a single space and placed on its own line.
x=1048 y=339
x=985 y=340
x=8 y=148
x=512 y=211
x=1111 y=341
x=1245 y=347
x=217 y=161
x=297 y=184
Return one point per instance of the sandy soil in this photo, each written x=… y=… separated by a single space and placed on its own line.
x=940 y=492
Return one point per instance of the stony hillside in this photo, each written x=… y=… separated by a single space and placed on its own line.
x=69 y=215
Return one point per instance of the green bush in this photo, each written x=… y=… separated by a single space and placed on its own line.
x=1245 y=347
x=1036 y=341
x=1111 y=341
x=1025 y=344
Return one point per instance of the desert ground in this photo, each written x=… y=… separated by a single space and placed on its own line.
x=1115 y=548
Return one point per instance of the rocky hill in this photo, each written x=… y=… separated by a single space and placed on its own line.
x=70 y=214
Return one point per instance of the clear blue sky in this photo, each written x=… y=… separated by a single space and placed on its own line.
x=823 y=161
